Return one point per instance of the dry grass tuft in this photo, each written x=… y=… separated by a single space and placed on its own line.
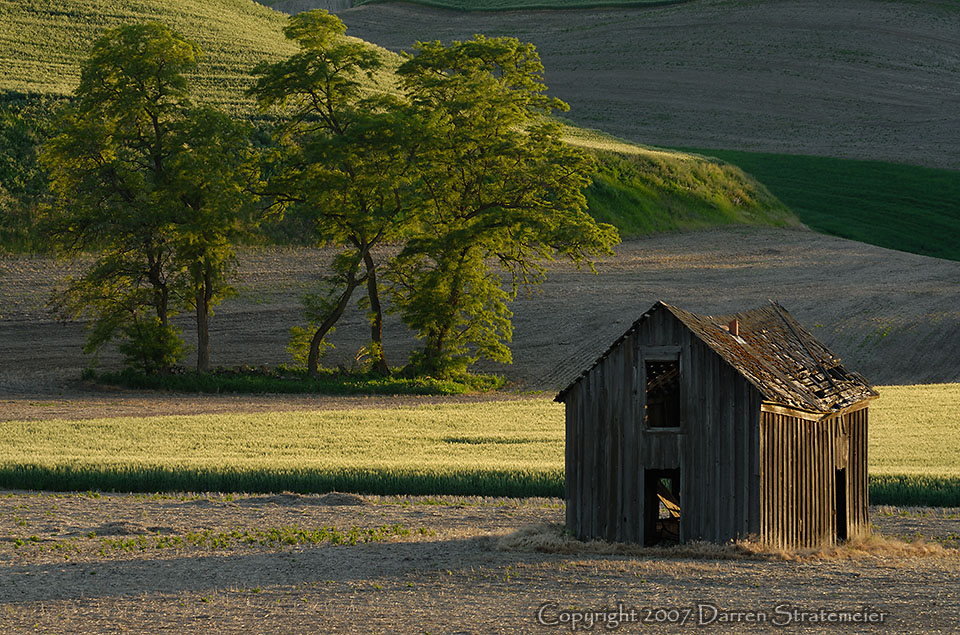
x=552 y=538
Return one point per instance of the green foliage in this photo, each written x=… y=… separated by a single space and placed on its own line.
x=344 y=157
x=153 y=182
x=109 y=171
x=150 y=346
x=300 y=339
x=297 y=381
x=24 y=125
x=497 y=184
x=896 y=206
x=214 y=177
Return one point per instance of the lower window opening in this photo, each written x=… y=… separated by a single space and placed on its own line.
x=662 y=497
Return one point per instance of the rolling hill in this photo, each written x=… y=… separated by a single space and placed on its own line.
x=840 y=78
x=639 y=189
x=822 y=101
x=43 y=42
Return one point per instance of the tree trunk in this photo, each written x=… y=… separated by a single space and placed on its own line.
x=161 y=295
x=433 y=352
x=204 y=295
x=313 y=358
x=376 y=322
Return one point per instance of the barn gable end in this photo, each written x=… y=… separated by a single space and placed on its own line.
x=740 y=400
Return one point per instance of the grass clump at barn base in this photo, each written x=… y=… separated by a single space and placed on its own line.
x=493 y=448
x=904 y=207
x=553 y=538
x=259 y=380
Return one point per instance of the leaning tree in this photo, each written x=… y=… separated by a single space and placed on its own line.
x=500 y=194
x=346 y=161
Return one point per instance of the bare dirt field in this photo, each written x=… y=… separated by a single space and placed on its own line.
x=128 y=563
x=893 y=316
x=842 y=78
x=471 y=570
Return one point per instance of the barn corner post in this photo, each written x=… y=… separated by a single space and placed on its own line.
x=694 y=427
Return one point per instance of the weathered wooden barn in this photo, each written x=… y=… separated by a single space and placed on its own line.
x=693 y=427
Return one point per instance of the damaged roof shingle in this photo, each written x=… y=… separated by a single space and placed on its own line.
x=774 y=353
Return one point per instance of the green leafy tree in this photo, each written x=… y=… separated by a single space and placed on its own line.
x=24 y=125
x=500 y=195
x=345 y=161
x=109 y=171
x=213 y=176
x=153 y=184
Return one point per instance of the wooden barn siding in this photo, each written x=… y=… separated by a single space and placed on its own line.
x=798 y=477
x=858 y=490
x=716 y=448
x=722 y=474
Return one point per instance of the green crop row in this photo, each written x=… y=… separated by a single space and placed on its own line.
x=914 y=490
x=900 y=490
x=517 y=483
x=296 y=381
x=891 y=205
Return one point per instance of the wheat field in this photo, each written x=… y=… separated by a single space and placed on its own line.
x=487 y=448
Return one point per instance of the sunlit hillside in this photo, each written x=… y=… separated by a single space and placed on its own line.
x=43 y=42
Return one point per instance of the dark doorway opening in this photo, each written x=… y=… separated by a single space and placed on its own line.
x=841 y=505
x=661 y=524
x=663 y=394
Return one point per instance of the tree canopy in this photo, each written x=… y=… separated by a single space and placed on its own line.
x=448 y=195
x=153 y=183
x=500 y=194
x=346 y=158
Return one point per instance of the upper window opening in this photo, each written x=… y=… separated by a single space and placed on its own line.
x=663 y=394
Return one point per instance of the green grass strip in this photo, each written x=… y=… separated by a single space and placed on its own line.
x=912 y=490
x=297 y=382
x=903 y=207
x=478 y=482
x=885 y=489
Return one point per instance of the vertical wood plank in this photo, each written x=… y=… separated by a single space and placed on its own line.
x=570 y=461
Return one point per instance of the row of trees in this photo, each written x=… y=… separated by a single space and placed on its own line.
x=461 y=167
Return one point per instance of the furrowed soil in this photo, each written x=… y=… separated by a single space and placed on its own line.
x=840 y=78
x=893 y=316
x=474 y=568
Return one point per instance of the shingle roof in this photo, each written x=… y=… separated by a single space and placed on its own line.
x=784 y=361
